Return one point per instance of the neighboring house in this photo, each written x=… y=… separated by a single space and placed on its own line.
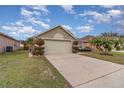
x=85 y=41
x=57 y=40
x=22 y=43
x=8 y=44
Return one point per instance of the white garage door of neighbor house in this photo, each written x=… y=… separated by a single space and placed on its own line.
x=57 y=46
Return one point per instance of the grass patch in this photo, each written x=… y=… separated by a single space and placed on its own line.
x=17 y=70
x=117 y=57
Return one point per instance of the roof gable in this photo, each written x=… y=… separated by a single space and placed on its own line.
x=58 y=27
x=87 y=37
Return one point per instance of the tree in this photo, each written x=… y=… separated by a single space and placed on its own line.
x=105 y=45
x=117 y=44
x=29 y=40
x=110 y=34
x=97 y=43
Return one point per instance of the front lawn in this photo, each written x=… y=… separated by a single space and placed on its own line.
x=116 y=58
x=17 y=70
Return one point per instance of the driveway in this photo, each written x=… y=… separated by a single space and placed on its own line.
x=82 y=71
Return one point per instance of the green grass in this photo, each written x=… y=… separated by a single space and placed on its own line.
x=116 y=58
x=17 y=70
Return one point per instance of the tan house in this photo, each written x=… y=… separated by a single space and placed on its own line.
x=8 y=44
x=85 y=41
x=57 y=40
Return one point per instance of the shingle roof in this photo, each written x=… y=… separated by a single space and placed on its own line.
x=8 y=37
x=87 y=38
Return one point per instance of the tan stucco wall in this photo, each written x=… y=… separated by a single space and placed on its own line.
x=4 y=41
x=50 y=34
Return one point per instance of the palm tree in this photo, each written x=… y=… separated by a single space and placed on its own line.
x=97 y=43
x=105 y=45
x=117 y=44
x=110 y=34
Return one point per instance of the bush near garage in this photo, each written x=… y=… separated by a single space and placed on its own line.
x=75 y=48
x=85 y=49
x=38 y=47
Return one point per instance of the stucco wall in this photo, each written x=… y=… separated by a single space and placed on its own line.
x=4 y=41
x=52 y=33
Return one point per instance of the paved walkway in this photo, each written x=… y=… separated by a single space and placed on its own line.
x=82 y=71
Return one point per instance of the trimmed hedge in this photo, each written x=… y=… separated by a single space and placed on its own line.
x=86 y=49
x=75 y=48
x=38 y=49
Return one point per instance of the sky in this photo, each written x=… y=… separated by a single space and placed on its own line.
x=22 y=22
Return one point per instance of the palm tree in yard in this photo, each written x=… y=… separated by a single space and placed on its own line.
x=105 y=45
x=117 y=44
x=97 y=43
x=110 y=34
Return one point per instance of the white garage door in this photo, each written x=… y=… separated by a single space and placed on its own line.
x=57 y=46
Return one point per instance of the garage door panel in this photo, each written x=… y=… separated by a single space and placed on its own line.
x=53 y=46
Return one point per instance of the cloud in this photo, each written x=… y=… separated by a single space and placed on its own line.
x=19 y=29
x=37 y=13
x=86 y=28
x=36 y=10
x=26 y=13
x=103 y=17
x=67 y=27
x=120 y=24
x=26 y=30
x=68 y=9
x=13 y=33
x=115 y=13
x=48 y=20
x=98 y=17
x=42 y=8
x=31 y=17
x=45 y=26
x=108 y=6
x=19 y=23
x=6 y=28
x=10 y=28
x=41 y=23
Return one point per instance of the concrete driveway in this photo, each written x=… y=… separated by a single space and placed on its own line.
x=82 y=71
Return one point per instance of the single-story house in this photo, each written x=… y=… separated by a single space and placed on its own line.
x=8 y=44
x=57 y=40
x=85 y=41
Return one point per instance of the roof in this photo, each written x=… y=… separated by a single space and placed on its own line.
x=87 y=38
x=2 y=34
x=67 y=31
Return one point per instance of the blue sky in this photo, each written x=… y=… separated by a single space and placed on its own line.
x=22 y=22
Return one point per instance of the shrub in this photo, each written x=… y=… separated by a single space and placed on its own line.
x=85 y=49
x=108 y=54
x=25 y=47
x=75 y=48
x=38 y=49
x=118 y=48
x=38 y=41
x=75 y=42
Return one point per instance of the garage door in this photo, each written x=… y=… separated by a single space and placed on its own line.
x=57 y=46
